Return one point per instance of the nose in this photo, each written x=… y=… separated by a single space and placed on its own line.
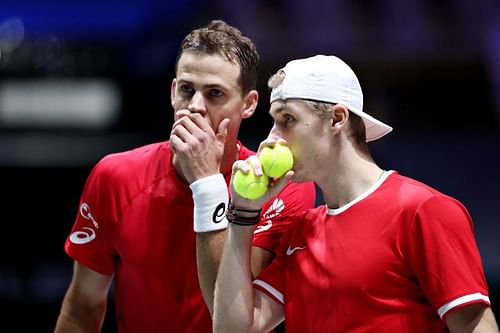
x=274 y=133
x=197 y=103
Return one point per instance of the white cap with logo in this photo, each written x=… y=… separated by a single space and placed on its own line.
x=327 y=79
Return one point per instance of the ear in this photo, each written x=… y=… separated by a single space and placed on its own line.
x=172 y=91
x=340 y=117
x=251 y=100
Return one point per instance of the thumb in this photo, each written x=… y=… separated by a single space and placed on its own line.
x=277 y=185
x=222 y=131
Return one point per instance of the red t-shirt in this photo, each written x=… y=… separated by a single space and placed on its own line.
x=136 y=221
x=396 y=259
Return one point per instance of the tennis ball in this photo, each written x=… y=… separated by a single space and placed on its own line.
x=250 y=186
x=276 y=160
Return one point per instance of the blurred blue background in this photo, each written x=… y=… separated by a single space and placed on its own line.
x=82 y=79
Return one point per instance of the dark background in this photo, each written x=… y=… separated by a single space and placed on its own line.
x=431 y=69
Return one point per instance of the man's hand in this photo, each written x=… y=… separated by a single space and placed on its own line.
x=275 y=186
x=198 y=149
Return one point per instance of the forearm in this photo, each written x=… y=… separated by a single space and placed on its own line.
x=209 y=246
x=234 y=306
x=210 y=203
x=71 y=324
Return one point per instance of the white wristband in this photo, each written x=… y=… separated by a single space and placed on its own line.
x=210 y=203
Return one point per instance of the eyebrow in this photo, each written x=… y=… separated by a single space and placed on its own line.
x=206 y=86
x=274 y=111
x=279 y=109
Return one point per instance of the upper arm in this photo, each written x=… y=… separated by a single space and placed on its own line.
x=84 y=304
x=268 y=313
x=88 y=286
x=209 y=247
x=476 y=317
x=261 y=258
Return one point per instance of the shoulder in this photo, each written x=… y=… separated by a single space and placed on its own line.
x=413 y=193
x=131 y=163
x=411 y=186
x=426 y=203
x=308 y=221
x=129 y=172
x=293 y=199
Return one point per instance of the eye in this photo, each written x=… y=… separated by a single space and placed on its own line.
x=284 y=120
x=215 y=93
x=288 y=119
x=186 y=89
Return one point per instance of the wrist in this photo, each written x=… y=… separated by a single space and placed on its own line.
x=210 y=197
x=242 y=216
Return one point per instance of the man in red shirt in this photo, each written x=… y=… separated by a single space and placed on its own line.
x=385 y=254
x=135 y=221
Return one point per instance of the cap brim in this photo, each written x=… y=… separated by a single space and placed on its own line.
x=375 y=129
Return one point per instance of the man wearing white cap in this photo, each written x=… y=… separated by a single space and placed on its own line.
x=386 y=253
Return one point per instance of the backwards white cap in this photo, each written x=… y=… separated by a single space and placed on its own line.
x=327 y=79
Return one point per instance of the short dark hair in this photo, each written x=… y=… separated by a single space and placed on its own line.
x=220 y=38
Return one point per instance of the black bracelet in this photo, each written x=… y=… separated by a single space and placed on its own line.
x=235 y=218
x=243 y=221
x=234 y=209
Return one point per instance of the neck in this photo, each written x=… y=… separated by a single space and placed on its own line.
x=352 y=175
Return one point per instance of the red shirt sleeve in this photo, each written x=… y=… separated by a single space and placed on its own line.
x=293 y=199
x=89 y=241
x=445 y=256
x=271 y=281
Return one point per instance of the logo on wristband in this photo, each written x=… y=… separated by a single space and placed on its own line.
x=219 y=213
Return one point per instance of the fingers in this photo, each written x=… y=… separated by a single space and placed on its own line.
x=197 y=125
x=251 y=163
x=277 y=185
x=271 y=141
x=197 y=118
x=188 y=123
x=192 y=129
x=274 y=188
x=241 y=166
x=254 y=163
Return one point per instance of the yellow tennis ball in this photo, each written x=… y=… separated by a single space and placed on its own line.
x=250 y=186
x=276 y=160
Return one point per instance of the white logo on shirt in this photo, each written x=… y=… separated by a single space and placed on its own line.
x=85 y=212
x=274 y=210
x=290 y=251
x=82 y=237
x=87 y=235
x=264 y=227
